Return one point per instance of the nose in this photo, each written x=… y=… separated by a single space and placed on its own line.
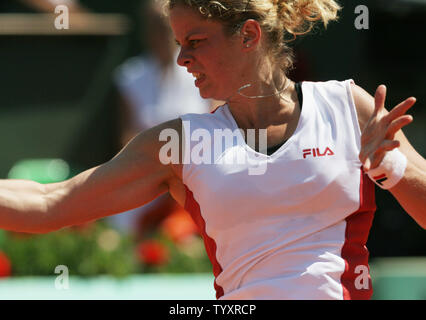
x=184 y=59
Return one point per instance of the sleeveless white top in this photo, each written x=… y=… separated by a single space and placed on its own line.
x=297 y=230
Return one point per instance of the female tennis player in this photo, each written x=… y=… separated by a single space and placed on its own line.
x=298 y=228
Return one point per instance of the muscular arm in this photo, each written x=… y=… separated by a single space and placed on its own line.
x=132 y=178
x=410 y=191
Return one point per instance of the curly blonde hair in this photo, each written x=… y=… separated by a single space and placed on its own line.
x=280 y=20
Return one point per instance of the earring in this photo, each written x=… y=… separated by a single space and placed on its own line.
x=245 y=40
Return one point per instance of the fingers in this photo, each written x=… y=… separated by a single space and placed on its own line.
x=364 y=157
x=386 y=145
x=366 y=164
x=372 y=154
x=378 y=136
x=397 y=125
x=400 y=109
x=379 y=99
x=374 y=159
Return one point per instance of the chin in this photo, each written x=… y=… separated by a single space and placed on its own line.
x=205 y=94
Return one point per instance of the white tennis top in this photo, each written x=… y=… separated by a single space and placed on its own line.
x=298 y=230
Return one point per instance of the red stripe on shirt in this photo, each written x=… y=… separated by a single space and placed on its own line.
x=354 y=251
x=380 y=176
x=192 y=206
x=213 y=111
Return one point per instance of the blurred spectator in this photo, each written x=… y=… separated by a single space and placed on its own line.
x=154 y=89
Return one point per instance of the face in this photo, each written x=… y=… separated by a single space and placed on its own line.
x=214 y=58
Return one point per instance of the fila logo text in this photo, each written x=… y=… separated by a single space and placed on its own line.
x=315 y=152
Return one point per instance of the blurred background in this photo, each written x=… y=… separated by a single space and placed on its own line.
x=70 y=99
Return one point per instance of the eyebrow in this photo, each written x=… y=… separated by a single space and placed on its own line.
x=190 y=35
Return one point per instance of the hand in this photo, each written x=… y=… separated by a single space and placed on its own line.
x=379 y=133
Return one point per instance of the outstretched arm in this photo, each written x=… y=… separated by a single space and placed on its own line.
x=381 y=132
x=132 y=178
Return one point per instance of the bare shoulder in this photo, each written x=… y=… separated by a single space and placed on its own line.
x=165 y=144
x=153 y=138
x=171 y=132
x=159 y=142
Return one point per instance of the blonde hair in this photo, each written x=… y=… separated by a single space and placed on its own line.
x=281 y=20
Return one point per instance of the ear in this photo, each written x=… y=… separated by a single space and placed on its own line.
x=251 y=34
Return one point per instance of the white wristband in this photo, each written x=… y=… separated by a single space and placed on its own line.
x=390 y=170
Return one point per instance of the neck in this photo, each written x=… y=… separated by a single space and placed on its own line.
x=264 y=105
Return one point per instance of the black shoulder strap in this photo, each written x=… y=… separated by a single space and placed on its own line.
x=298 y=87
